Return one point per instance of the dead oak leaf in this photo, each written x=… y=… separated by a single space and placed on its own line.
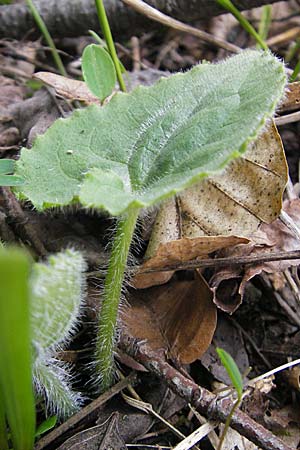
x=177 y=320
x=67 y=87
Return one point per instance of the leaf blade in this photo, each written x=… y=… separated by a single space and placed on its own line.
x=98 y=71
x=15 y=355
x=157 y=140
x=232 y=370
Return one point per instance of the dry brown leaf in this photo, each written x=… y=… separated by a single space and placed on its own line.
x=177 y=320
x=180 y=251
x=292 y=100
x=274 y=237
x=230 y=204
x=66 y=87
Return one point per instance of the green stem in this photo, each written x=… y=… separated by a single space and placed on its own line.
x=265 y=22
x=42 y=26
x=111 y=297
x=227 y=423
x=227 y=4
x=109 y=41
x=295 y=73
x=292 y=52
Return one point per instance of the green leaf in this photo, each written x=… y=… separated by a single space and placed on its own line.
x=15 y=356
x=3 y=426
x=52 y=380
x=98 y=71
x=45 y=426
x=147 y=145
x=57 y=290
x=102 y=43
x=7 y=166
x=232 y=370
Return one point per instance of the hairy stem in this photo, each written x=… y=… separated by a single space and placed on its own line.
x=109 y=41
x=111 y=297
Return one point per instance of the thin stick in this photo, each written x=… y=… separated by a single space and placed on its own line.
x=158 y=16
x=85 y=412
x=225 y=262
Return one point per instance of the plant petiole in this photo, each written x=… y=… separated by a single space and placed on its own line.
x=111 y=297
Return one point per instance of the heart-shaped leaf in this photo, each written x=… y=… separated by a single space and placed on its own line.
x=147 y=145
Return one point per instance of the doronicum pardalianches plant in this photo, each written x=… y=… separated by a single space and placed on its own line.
x=39 y=309
x=145 y=146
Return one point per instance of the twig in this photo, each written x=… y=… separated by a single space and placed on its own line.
x=289 y=118
x=195 y=437
x=160 y=17
x=272 y=372
x=282 y=38
x=84 y=412
x=207 y=403
x=212 y=262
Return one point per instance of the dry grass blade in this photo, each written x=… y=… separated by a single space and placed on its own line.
x=158 y=16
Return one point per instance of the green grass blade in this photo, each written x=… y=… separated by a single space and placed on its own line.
x=295 y=72
x=265 y=22
x=15 y=355
x=3 y=428
x=227 y=4
x=45 y=426
x=232 y=370
x=44 y=30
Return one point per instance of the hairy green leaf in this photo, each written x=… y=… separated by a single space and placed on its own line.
x=16 y=390
x=147 y=145
x=232 y=370
x=57 y=289
x=98 y=70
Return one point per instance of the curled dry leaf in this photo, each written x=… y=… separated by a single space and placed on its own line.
x=177 y=320
x=274 y=237
x=66 y=87
x=230 y=204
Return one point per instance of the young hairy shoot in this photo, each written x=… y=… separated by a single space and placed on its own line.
x=146 y=146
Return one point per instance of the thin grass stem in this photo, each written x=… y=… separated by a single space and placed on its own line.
x=265 y=22
x=43 y=29
x=109 y=41
x=227 y=4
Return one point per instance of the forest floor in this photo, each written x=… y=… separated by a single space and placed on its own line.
x=250 y=310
